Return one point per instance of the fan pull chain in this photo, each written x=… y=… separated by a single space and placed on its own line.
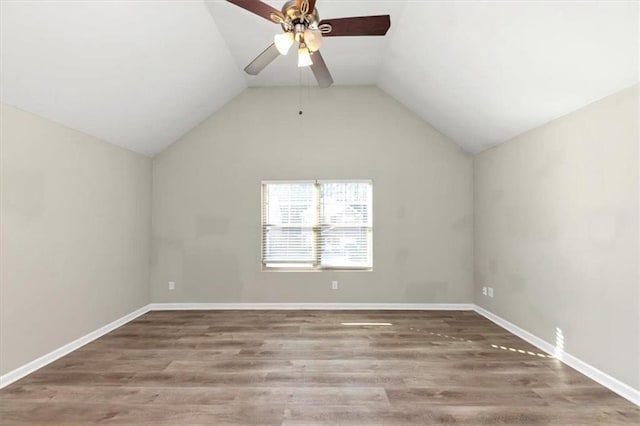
x=300 y=91
x=308 y=88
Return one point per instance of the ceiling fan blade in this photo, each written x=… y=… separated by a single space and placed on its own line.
x=358 y=26
x=320 y=70
x=259 y=8
x=262 y=60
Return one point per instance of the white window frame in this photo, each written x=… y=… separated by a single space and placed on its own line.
x=316 y=265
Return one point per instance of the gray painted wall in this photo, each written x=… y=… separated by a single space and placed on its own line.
x=206 y=199
x=556 y=233
x=74 y=250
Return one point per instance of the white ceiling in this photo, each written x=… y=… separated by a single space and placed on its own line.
x=484 y=72
x=140 y=74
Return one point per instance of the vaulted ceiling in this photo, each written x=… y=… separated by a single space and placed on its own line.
x=140 y=74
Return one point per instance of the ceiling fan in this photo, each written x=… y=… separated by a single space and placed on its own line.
x=301 y=23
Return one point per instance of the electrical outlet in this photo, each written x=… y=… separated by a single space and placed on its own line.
x=334 y=285
x=172 y=285
x=490 y=291
x=484 y=291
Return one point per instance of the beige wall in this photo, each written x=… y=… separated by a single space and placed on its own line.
x=75 y=216
x=557 y=233
x=206 y=199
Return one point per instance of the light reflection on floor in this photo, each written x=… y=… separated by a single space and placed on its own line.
x=504 y=348
x=367 y=323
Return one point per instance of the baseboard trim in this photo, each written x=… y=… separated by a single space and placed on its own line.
x=588 y=370
x=38 y=363
x=313 y=306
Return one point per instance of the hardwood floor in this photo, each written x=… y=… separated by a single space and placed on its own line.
x=306 y=367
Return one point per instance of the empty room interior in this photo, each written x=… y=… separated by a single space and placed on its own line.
x=390 y=212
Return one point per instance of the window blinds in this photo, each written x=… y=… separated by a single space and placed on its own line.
x=316 y=225
x=290 y=215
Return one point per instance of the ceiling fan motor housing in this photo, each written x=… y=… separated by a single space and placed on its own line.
x=294 y=17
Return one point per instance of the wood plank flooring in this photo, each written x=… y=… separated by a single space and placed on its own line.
x=305 y=368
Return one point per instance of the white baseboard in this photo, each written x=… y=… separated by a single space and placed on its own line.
x=588 y=370
x=36 y=364
x=314 y=306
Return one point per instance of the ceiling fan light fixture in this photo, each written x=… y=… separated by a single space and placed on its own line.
x=313 y=39
x=304 y=57
x=283 y=42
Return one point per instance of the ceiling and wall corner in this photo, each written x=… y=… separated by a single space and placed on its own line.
x=142 y=74
x=484 y=72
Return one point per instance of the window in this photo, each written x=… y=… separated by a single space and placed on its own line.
x=317 y=224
